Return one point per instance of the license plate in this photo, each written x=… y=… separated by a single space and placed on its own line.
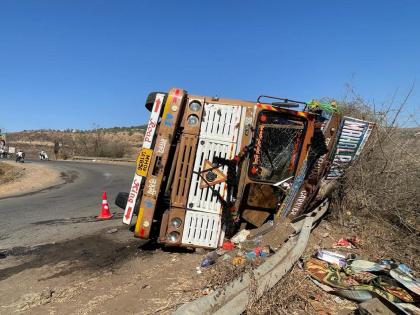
x=143 y=162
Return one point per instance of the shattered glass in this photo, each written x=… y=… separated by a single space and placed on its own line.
x=277 y=148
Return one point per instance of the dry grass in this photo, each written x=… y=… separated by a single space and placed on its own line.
x=384 y=184
x=224 y=272
x=8 y=173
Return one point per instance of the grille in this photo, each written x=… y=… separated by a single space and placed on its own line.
x=220 y=122
x=204 y=199
x=218 y=137
x=201 y=229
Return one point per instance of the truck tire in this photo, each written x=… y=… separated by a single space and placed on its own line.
x=151 y=100
x=121 y=201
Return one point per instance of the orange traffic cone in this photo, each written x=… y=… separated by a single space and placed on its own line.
x=105 y=214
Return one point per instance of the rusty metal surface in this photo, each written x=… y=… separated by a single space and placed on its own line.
x=169 y=122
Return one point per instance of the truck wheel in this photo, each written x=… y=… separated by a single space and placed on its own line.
x=151 y=100
x=121 y=201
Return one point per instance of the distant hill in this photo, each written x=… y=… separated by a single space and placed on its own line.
x=102 y=142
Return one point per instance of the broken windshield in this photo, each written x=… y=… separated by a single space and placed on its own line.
x=277 y=145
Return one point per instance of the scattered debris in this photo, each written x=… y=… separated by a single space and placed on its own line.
x=362 y=280
x=209 y=259
x=240 y=237
x=112 y=231
x=350 y=243
x=228 y=245
x=406 y=279
x=405 y=268
x=238 y=261
x=334 y=258
x=359 y=265
x=342 y=242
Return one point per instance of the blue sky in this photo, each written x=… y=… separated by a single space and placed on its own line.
x=73 y=64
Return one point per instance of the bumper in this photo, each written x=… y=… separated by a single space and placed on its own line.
x=160 y=157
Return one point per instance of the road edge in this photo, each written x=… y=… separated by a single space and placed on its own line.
x=51 y=181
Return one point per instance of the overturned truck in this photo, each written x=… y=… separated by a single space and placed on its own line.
x=210 y=166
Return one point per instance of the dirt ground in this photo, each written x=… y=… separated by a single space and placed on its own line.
x=9 y=172
x=21 y=178
x=105 y=273
x=110 y=273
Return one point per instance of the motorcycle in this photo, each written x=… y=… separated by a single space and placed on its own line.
x=20 y=157
x=43 y=156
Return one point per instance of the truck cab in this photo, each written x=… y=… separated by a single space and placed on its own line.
x=210 y=164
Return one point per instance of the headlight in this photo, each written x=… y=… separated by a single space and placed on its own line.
x=175 y=222
x=192 y=120
x=173 y=236
x=195 y=106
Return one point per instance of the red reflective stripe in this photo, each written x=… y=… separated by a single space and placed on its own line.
x=158 y=105
x=175 y=97
x=127 y=216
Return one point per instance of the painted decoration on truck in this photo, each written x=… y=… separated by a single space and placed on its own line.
x=210 y=175
x=309 y=186
x=142 y=167
x=297 y=183
x=352 y=137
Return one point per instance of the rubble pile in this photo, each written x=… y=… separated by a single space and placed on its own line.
x=351 y=277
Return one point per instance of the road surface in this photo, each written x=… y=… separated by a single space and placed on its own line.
x=64 y=211
x=77 y=267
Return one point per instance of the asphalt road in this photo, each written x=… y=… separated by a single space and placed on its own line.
x=64 y=211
